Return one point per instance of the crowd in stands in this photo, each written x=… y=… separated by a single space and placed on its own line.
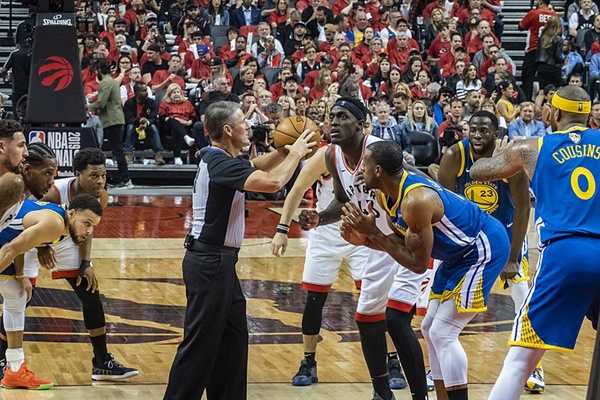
x=419 y=65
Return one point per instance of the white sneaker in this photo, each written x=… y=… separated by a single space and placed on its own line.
x=188 y=140
x=146 y=161
x=535 y=383
x=110 y=162
x=178 y=161
x=430 y=383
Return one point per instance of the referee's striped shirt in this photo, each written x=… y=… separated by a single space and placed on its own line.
x=218 y=200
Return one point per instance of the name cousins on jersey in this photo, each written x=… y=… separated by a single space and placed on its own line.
x=576 y=151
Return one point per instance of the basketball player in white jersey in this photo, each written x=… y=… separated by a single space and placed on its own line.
x=382 y=276
x=71 y=261
x=13 y=150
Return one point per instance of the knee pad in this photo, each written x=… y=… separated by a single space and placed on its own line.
x=396 y=319
x=93 y=311
x=14 y=315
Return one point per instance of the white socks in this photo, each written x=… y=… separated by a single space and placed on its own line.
x=178 y=161
x=15 y=358
x=188 y=140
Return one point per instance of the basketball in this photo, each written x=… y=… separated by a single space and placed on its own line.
x=291 y=128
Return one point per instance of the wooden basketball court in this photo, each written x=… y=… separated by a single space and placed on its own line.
x=137 y=254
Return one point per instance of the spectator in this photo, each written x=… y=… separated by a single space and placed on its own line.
x=216 y=14
x=178 y=115
x=546 y=103
x=573 y=61
x=175 y=14
x=162 y=79
x=356 y=34
x=288 y=105
x=575 y=79
x=141 y=117
x=504 y=105
x=419 y=90
x=155 y=63
x=245 y=83
x=309 y=63
x=322 y=112
x=489 y=105
x=264 y=32
x=19 y=63
x=252 y=112
x=469 y=82
x=389 y=88
x=445 y=96
x=270 y=57
x=238 y=56
x=583 y=19
x=386 y=128
x=274 y=112
x=418 y=120
x=201 y=66
x=415 y=65
x=301 y=104
x=294 y=41
x=109 y=109
x=434 y=27
x=401 y=105
x=455 y=115
x=549 y=58
x=526 y=127
x=322 y=83
x=245 y=15
x=594 y=121
x=280 y=15
x=472 y=103
x=440 y=45
x=382 y=75
x=286 y=30
x=452 y=80
x=134 y=75
x=591 y=36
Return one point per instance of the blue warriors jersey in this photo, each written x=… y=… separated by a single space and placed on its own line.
x=565 y=184
x=459 y=227
x=16 y=226
x=492 y=197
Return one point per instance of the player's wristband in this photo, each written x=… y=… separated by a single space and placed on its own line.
x=85 y=264
x=283 y=228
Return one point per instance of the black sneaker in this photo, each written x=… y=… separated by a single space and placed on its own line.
x=307 y=373
x=111 y=370
x=397 y=380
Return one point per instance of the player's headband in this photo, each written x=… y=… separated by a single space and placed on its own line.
x=357 y=112
x=572 y=106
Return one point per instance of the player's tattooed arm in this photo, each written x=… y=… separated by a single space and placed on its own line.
x=509 y=159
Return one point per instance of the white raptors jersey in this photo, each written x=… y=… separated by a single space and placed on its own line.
x=63 y=188
x=325 y=193
x=358 y=193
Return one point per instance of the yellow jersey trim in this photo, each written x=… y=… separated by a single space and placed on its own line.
x=463 y=161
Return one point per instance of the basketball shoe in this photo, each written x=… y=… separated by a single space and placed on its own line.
x=24 y=379
x=2 y=368
x=397 y=380
x=111 y=370
x=378 y=397
x=430 y=383
x=535 y=383
x=307 y=374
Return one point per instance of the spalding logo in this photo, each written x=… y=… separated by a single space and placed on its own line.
x=58 y=73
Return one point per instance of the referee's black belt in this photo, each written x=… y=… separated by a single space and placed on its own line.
x=196 y=245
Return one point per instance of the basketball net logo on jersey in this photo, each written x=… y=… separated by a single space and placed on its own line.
x=484 y=194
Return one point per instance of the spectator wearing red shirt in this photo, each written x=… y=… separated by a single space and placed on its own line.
x=279 y=16
x=441 y=4
x=201 y=66
x=341 y=7
x=137 y=7
x=398 y=51
x=371 y=60
x=474 y=38
x=236 y=58
x=363 y=47
x=440 y=45
x=419 y=90
x=163 y=79
x=178 y=115
x=448 y=59
x=533 y=22
x=321 y=84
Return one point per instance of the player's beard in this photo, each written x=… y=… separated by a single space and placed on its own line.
x=76 y=239
x=12 y=168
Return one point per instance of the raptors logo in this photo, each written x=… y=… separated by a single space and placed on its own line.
x=57 y=72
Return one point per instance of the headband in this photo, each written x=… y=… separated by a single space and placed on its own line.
x=356 y=111
x=572 y=106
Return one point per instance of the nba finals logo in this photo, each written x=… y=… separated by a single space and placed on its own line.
x=37 y=137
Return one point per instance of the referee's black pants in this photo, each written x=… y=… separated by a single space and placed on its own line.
x=214 y=352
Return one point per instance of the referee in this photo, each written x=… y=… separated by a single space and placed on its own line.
x=214 y=352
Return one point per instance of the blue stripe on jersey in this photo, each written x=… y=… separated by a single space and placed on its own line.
x=565 y=183
x=455 y=232
x=492 y=197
